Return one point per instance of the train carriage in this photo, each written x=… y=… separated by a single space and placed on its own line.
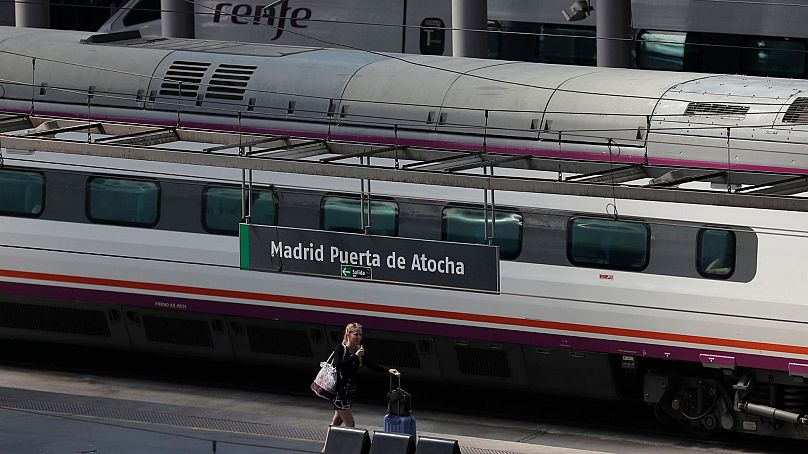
x=611 y=233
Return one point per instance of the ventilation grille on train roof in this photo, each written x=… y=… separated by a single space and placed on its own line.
x=709 y=108
x=797 y=112
x=185 y=75
x=229 y=82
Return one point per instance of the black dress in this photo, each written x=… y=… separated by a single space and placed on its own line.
x=347 y=365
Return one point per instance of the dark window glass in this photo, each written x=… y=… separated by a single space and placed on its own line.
x=345 y=214
x=22 y=193
x=494 y=39
x=467 y=225
x=669 y=51
x=606 y=243
x=775 y=57
x=568 y=45
x=143 y=11
x=716 y=257
x=123 y=202
x=222 y=209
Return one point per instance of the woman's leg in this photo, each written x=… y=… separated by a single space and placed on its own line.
x=346 y=416
x=336 y=420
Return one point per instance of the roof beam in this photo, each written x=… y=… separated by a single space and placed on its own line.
x=789 y=186
x=249 y=143
x=680 y=176
x=362 y=154
x=500 y=183
x=145 y=138
x=619 y=174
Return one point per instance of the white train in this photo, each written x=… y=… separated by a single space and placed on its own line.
x=689 y=298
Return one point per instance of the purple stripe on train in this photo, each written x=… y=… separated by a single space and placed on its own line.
x=573 y=343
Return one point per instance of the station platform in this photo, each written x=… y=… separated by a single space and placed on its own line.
x=60 y=412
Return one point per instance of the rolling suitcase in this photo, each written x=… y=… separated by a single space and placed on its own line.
x=399 y=416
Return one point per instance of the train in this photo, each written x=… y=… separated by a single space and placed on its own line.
x=609 y=233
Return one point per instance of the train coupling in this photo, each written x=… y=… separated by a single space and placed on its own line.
x=766 y=411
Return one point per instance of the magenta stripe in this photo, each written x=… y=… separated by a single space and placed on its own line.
x=574 y=343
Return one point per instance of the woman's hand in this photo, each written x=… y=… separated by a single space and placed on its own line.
x=360 y=353
x=394 y=372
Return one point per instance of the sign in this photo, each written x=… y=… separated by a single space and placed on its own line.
x=369 y=257
x=356 y=272
x=433 y=36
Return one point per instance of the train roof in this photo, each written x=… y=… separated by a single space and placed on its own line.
x=510 y=98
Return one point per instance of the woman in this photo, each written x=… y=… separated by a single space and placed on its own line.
x=348 y=356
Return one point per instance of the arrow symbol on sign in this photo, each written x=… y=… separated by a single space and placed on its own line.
x=346 y=271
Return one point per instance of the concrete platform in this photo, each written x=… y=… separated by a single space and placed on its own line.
x=63 y=412
x=54 y=412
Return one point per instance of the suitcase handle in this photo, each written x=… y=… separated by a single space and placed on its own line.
x=398 y=379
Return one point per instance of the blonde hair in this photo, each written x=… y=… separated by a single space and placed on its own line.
x=348 y=329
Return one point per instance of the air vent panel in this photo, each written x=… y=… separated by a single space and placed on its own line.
x=709 y=108
x=797 y=112
x=483 y=361
x=274 y=341
x=54 y=319
x=185 y=76
x=177 y=331
x=397 y=353
x=230 y=82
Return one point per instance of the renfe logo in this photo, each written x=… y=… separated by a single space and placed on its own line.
x=242 y=13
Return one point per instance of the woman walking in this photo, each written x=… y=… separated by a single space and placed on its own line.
x=348 y=356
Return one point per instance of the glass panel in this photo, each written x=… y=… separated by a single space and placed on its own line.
x=223 y=209
x=21 y=193
x=660 y=50
x=567 y=45
x=716 y=257
x=606 y=243
x=124 y=202
x=342 y=214
x=494 y=39
x=775 y=57
x=144 y=11
x=467 y=225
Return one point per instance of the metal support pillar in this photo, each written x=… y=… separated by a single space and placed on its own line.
x=468 y=15
x=32 y=13
x=613 y=19
x=177 y=18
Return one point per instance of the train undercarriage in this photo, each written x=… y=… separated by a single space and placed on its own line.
x=752 y=401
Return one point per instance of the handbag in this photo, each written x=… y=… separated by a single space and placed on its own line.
x=325 y=382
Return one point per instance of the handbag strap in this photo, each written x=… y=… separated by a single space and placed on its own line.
x=330 y=358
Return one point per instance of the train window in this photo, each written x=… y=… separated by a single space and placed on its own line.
x=716 y=257
x=468 y=225
x=606 y=243
x=222 y=209
x=123 y=202
x=22 y=193
x=567 y=44
x=494 y=39
x=668 y=51
x=345 y=214
x=775 y=57
x=143 y=11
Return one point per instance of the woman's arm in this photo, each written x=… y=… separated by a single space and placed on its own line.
x=342 y=358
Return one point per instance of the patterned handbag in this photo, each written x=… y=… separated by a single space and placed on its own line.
x=326 y=380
